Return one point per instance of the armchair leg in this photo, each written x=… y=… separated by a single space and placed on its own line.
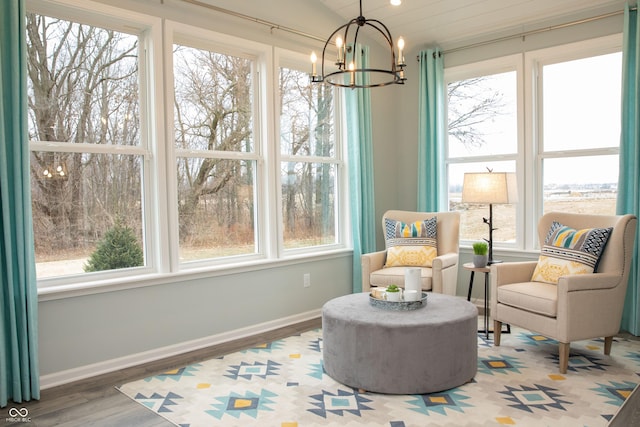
x=607 y=345
x=497 y=330
x=564 y=357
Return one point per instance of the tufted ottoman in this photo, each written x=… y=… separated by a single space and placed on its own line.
x=420 y=351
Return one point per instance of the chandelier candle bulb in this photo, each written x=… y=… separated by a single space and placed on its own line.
x=339 y=46
x=314 y=59
x=400 y=51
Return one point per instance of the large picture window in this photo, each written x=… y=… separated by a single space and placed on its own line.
x=309 y=161
x=552 y=117
x=156 y=150
x=580 y=133
x=214 y=143
x=88 y=153
x=482 y=135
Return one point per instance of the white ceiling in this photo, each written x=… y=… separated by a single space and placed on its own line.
x=449 y=22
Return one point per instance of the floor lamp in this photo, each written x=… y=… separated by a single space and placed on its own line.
x=490 y=188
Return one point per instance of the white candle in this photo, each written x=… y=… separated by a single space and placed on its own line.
x=314 y=59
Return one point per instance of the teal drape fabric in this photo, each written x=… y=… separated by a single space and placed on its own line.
x=431 y=128
x=19 y=373
x=360 y=161
x=629 y=180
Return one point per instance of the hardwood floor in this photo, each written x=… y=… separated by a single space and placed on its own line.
x=96 y=402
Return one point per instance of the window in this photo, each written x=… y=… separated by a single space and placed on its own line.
x=215 y=153
x=563 y=148
x=174 y=156
x=309 y=158
x=88 y=151
x=580 y=133
x=482 y=135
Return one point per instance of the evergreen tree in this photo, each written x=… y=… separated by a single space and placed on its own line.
x=118 y=248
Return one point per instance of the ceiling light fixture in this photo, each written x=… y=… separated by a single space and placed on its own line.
x=348 y=75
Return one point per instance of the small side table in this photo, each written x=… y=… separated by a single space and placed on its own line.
x=486 y=270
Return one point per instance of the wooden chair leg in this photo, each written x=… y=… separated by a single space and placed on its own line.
x=564 y=357
x=497 y=330
x=607 y=345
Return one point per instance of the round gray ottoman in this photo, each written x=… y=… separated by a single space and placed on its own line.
x=430 y=349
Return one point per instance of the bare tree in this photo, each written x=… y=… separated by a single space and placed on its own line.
x=213 y=112
x=82 y=89
x=467 y=110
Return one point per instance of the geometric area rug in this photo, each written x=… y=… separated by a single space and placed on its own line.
x=282 y=384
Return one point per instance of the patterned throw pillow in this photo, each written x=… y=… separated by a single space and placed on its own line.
x=410 y=244
x=569 y=251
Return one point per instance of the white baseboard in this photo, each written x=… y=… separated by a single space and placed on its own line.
x=92 y=370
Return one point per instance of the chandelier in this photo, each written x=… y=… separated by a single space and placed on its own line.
x=349 y=75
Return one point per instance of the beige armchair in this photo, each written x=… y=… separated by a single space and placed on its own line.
x=579 y=306
x=441 y=277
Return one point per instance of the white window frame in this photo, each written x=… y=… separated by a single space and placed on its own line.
x=534 y=61
x=489 y=67
x=259 y=54
x=530 y=154
x=160 y=210
x=294 y=60
x=148 y=30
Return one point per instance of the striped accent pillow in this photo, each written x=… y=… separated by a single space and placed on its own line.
x=410 y=244
x=569 y=251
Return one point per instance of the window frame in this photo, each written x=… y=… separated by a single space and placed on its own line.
x=147 y=29
x=259 y=54
x=159 y=185
x=534 y=61
x=531 y=154
x=300 y=62
x=509 y=63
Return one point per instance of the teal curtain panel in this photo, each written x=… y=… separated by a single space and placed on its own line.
x=19 y=373
x=431 y=127
x=629 y=180
x=360 y=161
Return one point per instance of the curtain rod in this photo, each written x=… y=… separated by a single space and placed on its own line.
x=269 y=24
x=538 y=31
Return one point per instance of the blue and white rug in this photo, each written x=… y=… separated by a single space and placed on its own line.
x=282 y=384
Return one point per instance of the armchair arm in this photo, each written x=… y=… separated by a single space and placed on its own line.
x=444 y=273
x=444 y=261
x=512 y=272
x=588 y=282
x=371 y=262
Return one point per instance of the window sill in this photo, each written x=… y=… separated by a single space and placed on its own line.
x=50 y=293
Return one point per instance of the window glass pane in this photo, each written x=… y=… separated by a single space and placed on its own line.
x=581 y=184
x=213 y=101
x=582 y=103
x=215 y=207
x=306 y=120
x=87 y=212
x=482 y=116
x=83 y=87
x=308 y=204
x=472 y=226
x=82 y=83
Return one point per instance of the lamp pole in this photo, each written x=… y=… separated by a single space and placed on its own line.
x=489 y=222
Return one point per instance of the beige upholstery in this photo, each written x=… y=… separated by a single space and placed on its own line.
x=442 y=277
x=580 y=306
